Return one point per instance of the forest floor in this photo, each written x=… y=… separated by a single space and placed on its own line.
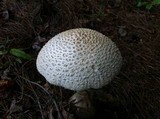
x=28 y=25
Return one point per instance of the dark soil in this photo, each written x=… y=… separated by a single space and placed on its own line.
x=28 y=25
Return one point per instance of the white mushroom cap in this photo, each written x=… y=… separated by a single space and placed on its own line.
x=79 y=59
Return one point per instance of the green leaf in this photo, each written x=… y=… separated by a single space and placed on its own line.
x=156 y=2
x=20 y=54
x=149 y=6
x=140 y=4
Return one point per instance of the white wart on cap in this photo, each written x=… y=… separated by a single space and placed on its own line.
x=79 y=59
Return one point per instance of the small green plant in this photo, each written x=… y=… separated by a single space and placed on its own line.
x=19 y=54
x=148 y=5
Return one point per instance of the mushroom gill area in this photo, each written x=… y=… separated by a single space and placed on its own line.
x=27 y=25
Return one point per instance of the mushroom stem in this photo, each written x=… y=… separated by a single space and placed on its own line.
x=82 y=102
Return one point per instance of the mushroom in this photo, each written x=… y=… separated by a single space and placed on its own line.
x=79 y=59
